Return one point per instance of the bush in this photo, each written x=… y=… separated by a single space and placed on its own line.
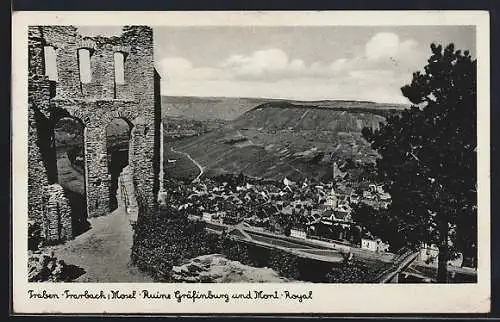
x=284 y=263
x=234 y=250
x=348 y=273
x=166 y=239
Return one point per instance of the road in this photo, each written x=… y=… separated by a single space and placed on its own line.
x=103 y=251
x=192 y=160
x=398 y=266
x=298 y=247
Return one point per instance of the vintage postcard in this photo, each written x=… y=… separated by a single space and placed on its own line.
x=251 y=162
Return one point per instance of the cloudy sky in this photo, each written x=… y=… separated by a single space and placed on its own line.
x=310 y=63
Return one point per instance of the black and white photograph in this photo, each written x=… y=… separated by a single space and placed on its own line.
x=285 y=154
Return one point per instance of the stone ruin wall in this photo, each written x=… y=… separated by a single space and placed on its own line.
x=95 y=104
x=38 y=107
x=127 y=195
x=57 y=215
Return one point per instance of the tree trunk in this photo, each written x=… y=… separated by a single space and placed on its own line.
x=442 y=275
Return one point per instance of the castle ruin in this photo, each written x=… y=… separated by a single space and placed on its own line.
x=93 y=80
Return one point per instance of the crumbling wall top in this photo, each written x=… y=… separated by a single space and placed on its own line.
x=94 y=75
x=130 y=35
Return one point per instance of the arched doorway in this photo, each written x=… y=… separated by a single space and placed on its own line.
x=118 y=134
x=69 y=134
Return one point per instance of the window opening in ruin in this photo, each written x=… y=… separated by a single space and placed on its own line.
x=117 y=144
x=70 y=151
x=50 y=58
x=119 y=68
x=84 y=65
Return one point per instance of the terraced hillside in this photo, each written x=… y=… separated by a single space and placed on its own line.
x=294 y=117
x=278 y=139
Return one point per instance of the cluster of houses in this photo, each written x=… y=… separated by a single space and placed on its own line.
x=317 y=211
x=336 y=212
x=376 y=196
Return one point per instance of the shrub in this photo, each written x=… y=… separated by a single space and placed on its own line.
x=348 y=273
x=234 y=250
x=34 y=235
x=164 y=240
x=284 y=263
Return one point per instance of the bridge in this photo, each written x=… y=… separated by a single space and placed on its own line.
x=391 y=275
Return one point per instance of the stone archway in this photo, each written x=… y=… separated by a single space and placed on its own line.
x=51 y=97
x=118 y=138
x=69 y=146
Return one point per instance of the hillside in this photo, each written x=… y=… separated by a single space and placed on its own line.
x=230 y=108
x=278 y=139
x=287 y=116
x=207 y=108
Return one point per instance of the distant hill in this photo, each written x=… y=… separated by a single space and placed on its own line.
x=207 y=108
x=230 y=108
x=280 y=138
x=340 y=104
x=335 y=116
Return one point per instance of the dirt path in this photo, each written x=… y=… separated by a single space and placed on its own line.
x=103 y=251
x=192 y=160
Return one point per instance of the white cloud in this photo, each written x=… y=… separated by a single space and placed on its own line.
x=377 y=73
x=274 y=64
x=386 y=45
x=258 y=63
x=339 y=65
x=175 y=65
x=267 y=64
x=175 y=68
x=382 y=45
x=297 y=65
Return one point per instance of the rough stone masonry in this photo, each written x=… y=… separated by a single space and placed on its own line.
x=57 y=214
x=95 y=102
